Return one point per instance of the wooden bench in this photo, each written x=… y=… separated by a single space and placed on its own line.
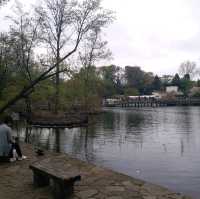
x=60 y=172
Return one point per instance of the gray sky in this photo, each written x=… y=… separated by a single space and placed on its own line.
x=157 y=35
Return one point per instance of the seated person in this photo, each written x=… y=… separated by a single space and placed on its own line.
x=8 y=144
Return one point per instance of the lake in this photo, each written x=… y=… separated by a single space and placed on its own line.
x=159 y=145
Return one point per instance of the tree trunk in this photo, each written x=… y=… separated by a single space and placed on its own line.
x=57 y=87
x=57 y=83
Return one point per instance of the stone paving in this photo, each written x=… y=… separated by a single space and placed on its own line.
x=97 y=183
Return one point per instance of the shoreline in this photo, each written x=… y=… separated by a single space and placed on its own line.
x=97 y=182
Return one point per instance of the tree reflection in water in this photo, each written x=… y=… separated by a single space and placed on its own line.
x=156 y=141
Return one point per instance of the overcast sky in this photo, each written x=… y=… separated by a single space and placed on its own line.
x=157 y=35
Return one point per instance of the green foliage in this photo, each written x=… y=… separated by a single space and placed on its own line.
x=111 y=80
x=198 y=83
x=131 y=92
x=156 y=84
x=83 y=88
x=185 y=86
x=186 y=77
x=43 y=92
x=197 y=94
x=176 y=81
x=134 y=76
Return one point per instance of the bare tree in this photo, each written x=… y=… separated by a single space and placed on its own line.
x=24 y=36
x=5 y=60
x=24 y=33
x=188 y=68
x=56 y=19
x=92 y=51
x=3 y=2
x=86 y=16
x=59 y=18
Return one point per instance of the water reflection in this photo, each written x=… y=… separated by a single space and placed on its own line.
x=160 y=145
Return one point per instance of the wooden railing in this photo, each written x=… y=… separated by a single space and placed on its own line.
x=153 y=102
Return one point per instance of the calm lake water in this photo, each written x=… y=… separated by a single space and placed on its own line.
x=159 y=145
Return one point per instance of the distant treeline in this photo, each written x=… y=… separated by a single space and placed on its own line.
x=93 y=84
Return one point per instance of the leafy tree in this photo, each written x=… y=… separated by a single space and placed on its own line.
x=156 y=84
x=75 y=89
x=187 y=77
x=111 y=79
x=198 y=83
x=119 y=87
x=176 y=81
x=131 y=92
x=134 y=76
x=147 y=83
x=185 y=86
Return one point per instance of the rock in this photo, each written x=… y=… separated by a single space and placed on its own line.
x=130 y=186
x=115 y=189
x=87 y=194
x=138 y=182
x=174 y=196
x=154 y=190
x=115 y=197
x=127 y=183
x=149 y=197
x=187 y=197
x=97 y=170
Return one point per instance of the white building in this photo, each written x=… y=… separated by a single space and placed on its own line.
x=170 y=89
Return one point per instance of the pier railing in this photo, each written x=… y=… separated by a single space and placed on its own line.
x=154 y=102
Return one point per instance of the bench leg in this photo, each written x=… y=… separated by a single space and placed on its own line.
x=63 y=190
x=40 y=180
x=4 y=159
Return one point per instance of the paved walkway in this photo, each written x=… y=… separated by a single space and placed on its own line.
x=97 y=183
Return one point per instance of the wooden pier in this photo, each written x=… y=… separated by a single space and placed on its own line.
x=153 y=102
